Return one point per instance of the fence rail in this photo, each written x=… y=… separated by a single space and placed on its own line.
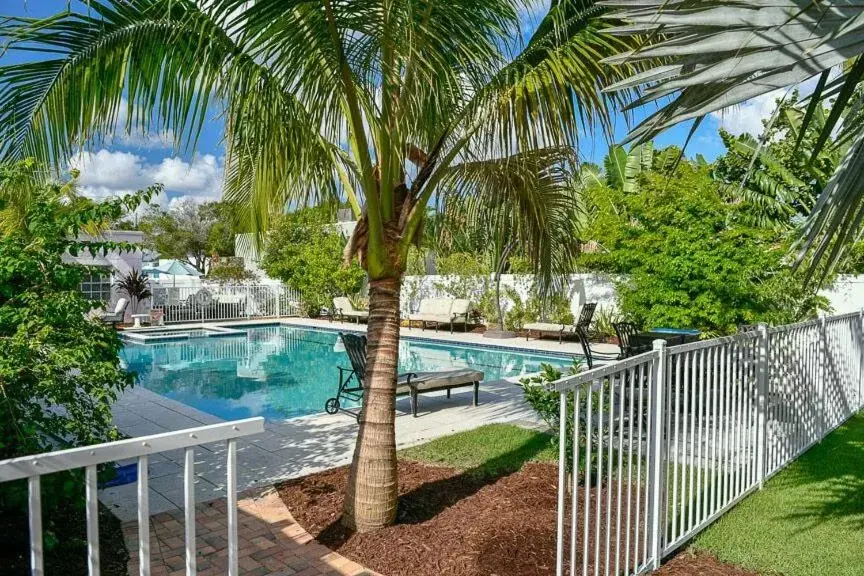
x=660 y=445
x=212 y=301
x=90 y=457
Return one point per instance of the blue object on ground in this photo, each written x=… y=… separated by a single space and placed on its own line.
x=125 y=474
x=678 y=331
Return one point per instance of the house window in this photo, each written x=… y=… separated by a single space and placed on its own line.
x=96 y=286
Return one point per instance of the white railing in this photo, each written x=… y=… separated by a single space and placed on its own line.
x=90 y=457
x=213 y=301
x=666 y=442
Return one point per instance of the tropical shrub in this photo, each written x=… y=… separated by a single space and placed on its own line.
x=59 y=368
x=135 y=285
x=230 y=270
x=692 y=259
x=305 y=251
x=546 y=403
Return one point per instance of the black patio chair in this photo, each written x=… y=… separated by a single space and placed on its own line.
x=629 y=340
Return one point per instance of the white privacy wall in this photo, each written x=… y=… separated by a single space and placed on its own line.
x=581 y=288
x=847 y=294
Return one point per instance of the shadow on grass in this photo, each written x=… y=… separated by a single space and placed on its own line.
x=431 y=498
x=833 y=474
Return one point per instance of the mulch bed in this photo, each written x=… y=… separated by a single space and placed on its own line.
x=65 y=531
x=454 y=523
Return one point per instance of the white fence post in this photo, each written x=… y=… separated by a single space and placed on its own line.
x=859 y=333
x=763 y=369
x=821 y=367
x=657 y=457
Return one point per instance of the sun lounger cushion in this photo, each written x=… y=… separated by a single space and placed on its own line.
x=547 y=327
x=427 y=381
x=344 y=307
x=434 y=309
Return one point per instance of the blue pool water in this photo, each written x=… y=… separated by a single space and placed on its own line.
x=284 y=372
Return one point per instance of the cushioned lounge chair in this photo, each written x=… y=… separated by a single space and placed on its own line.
x=437 y=311
x=342 y=308
x=586 y=314
x=119 y=313
x=351 y=380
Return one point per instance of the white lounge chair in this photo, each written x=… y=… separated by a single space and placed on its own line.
x=343 y=308
x=584 y=320
x=442 y=311
x=119 y=313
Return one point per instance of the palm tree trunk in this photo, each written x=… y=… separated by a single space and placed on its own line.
x=372 y=493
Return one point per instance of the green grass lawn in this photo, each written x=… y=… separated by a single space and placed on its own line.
x=491 y=450
x=808 y=520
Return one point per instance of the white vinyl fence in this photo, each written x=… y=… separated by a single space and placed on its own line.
x=91 y=457
x=213 y=301
x=668 y=441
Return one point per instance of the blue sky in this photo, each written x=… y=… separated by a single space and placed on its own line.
x=126 y=164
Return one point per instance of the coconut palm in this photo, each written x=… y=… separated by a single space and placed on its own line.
x=714 y=54
x=387 y=103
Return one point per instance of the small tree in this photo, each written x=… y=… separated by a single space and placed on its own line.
x=304 y=250
x=135 y=285
x=230 y=270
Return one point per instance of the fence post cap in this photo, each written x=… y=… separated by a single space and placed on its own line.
x=659 y=344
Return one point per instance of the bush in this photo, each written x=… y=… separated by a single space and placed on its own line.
x=546 y=403
x=59 y=370
x=230 y=270
x=691 y=258
x=305 y=252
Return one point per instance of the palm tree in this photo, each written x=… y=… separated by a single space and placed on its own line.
x=388 y=103
x=714 y=54
x=136 y=285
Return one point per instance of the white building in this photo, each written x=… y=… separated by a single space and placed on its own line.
x=110 y=267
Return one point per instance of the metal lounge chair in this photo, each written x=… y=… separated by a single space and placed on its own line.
x=351 y=380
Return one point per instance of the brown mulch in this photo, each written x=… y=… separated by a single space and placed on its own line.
x=456 y=524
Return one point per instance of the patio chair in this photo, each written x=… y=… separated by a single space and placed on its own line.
x=118 y=315
x=442 y=311
x=629 y=341
x=582 y=324
x=352 y=380
x=343 y=308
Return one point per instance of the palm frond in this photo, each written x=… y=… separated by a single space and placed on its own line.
x=718 y=54
x=527 y=195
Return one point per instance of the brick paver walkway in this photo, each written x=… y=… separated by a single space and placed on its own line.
x=270 y=542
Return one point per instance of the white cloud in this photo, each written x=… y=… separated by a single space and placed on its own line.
x=114 y=173
x=747 y=117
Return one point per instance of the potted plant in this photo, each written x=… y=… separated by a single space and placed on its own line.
x=135 y=285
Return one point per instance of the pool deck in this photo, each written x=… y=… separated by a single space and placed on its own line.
x=301 y=446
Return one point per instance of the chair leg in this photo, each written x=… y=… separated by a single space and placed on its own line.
x=476 y=393
x=414 y=403
x=448 y=392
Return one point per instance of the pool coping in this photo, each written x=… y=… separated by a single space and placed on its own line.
x=534 y=351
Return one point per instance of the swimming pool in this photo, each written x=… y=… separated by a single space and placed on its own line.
x=283 y=371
